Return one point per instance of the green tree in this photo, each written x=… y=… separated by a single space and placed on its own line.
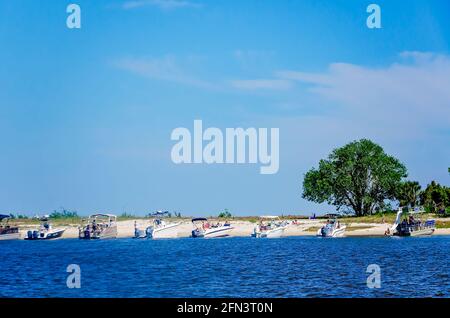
x=358 y=177
x=409 y=193
x=225 y=214
x=63 y=214
x=435 y=197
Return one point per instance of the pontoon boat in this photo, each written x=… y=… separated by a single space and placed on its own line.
x=98 y=226
x=8 y=232
x=412 y=226
x=202 y=228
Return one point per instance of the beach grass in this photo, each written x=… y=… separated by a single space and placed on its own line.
x=57 y=222
x=313 y=229
x=360 y=227
x=443 y=224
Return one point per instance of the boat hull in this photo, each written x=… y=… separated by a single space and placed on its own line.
x=222 y=231
x=169 y=231
x=275 y=233
x=421 y=232
x=335 y=233
x=218 y=232
x=108 y=233
x=9 y=236
x=51 y=235
x=140 y=234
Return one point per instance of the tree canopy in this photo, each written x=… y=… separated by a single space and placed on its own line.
x=225 y=214
x=408 y=193
x=358 y=177
x=435 y=196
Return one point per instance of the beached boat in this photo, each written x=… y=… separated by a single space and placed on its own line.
x=98 y=226
x=412 y=225
x=45 y=231
x=269 y=227
x=138 y=233
x=333 y=228
x=202 y=228
x=159 y=229
x=7 y=231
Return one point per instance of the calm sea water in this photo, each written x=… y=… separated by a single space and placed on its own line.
x=234 y=267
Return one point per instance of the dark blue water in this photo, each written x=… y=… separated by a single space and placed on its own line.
x=235 y=267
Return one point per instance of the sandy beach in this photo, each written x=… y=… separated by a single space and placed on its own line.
x=244 y=228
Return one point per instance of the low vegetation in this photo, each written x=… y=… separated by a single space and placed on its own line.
x=442 y=224
x=225 y=214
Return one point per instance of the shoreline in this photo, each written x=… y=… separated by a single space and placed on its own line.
x=125 y=229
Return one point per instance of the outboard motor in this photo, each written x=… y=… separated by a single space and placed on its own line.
x=30 y=235
x=149 y=232
x=35 y=235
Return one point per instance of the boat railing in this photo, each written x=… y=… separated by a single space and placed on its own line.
x=9 y=229
x=417 y=226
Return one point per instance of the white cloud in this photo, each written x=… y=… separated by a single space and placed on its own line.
x=163 y=69
x=258 y=84
x=162 y=4
x=413 y=95
x=407 y=97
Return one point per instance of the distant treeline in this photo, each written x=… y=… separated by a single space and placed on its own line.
x=56 y=214
x=69 y=214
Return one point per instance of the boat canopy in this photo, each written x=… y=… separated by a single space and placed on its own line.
x=199 y=219
x=415 y=210
x=102 y=215
x=159 y=213
x=4 y=216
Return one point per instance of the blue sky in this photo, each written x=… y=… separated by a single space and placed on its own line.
x=86 y=115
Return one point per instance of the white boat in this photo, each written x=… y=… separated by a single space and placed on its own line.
x=202 y=228
x=138 y=233
x=45 y=231
x=333 y=228
x=412 y=226
x=269 y=227
x=159 y=229
x=98 y=226
x=7 y=231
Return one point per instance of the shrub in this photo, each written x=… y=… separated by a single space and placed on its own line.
x=225 y=214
